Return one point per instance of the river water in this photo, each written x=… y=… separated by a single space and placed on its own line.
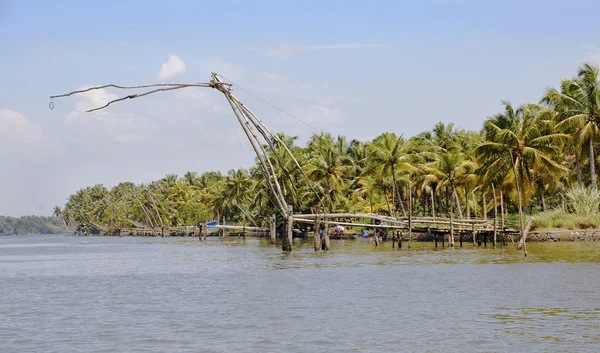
x=110 y=294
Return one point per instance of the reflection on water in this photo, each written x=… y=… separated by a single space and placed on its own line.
x=106 y=294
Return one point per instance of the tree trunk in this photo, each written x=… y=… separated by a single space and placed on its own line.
x=592 y=163
x=578 y=167
x=432 y=205
x=387 y=202
x=518 y=195
x=467 y=208
x=543 y=202
x=410 y=207
x=458 y=208
x=398 y=192
x=451 y=236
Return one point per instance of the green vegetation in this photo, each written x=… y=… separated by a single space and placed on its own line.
x=558 y=219
x=30 y=225
x=583 y=201
x=533 y=155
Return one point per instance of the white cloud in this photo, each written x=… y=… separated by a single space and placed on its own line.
x=284 y=51
x=174 y=66
x=291 y=50
x=318 y=114
x=16 y=127
x=107 y=124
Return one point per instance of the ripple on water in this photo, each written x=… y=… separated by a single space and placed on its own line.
x=69 y=294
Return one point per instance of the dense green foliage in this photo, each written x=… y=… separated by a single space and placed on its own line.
x=531 y=154
x=30 y=225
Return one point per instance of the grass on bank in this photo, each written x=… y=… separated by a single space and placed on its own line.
x=582 y=212
x=559 y=219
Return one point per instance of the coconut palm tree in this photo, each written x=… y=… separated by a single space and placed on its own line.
x=519 y=141
x=390 y=155
x=578 y=111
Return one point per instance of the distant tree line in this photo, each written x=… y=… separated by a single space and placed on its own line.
x=30 y=225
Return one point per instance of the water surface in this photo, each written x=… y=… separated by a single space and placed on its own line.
x=110 y=294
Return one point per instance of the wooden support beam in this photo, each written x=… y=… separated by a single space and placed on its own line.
x=273 y=229
x=326 y=246
x=317 y=237
x=287 y=236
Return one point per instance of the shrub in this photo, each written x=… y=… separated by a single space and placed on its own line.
x=583 y=201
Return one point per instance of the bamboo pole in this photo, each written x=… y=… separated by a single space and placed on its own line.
x=523 y=241
x=262 y=128
x=473 y=232
x=502 y=208
x=261 y=157
x=304 y=220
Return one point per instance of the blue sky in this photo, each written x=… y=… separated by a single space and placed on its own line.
x=355 y=68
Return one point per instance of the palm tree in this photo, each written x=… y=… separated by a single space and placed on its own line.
x=450 y=169
x=520 y=141
x=327 y=169
x=390 y=154
x=578 y=112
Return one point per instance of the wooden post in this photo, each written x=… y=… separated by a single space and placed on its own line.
x=443 y=239
x=410 y=209
x=273 y=229
x=289 y=228
x=399 y=239
x=495 y=216
x=317 y=238
x=393 y=238
x=460 y=238
x=326 y=246
x=435 y=239
x=522 y=242
x=473 y=232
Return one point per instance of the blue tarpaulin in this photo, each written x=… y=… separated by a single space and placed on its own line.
x=210 y=226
